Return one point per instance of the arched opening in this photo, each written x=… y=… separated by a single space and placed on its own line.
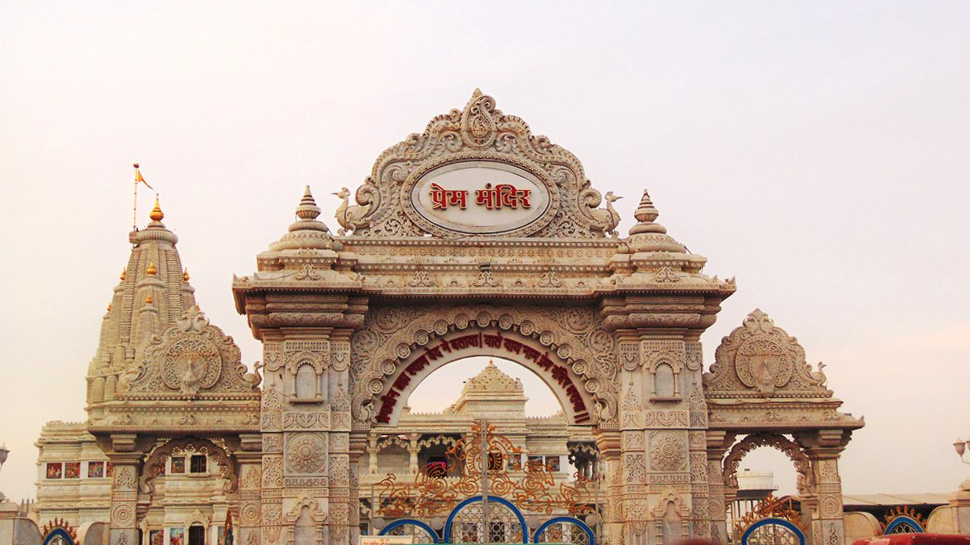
x=663 y=381
x=766 y=474
x=573 y=374
x=306 y=382
x=428 y=396
x=429 y=459
x=304 y=532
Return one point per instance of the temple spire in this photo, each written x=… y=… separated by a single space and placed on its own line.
x=307 y=231
x=646 y=215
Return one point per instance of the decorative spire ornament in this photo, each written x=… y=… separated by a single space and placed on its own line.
x=156 y=214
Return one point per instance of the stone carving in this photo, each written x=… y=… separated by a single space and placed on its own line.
x=698 y=467
x=486 y=280
x=318 y=515
x=635 y=468
x=249 y=514
x=124 y=478
x=272 y=443
x=668 y=452
x=272 y=472
x=549 y=279
x=760 y=359
x=306 y=453
x=422 y=280
x=633 y=440
x=830 y=507
x=123 y=515
x=479 y=132
x=575 y=334
x=789 y=448
x=190 y=357
x=155 y=464
x=669 y=496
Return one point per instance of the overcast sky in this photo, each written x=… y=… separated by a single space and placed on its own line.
x=818 y=151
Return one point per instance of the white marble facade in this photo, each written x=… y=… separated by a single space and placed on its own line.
x=475 y=237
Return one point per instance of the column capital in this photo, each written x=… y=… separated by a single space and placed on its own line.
x=718 y=442
x=822 y=444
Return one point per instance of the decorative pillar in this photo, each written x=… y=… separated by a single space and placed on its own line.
x=413 y=452
x=250 y=460
x=124 y=490
x=717 y=444
x=372 y=454
x=824 y=448
x=608 y=442
x=271 y=427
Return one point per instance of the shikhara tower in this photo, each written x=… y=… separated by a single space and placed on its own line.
x=475 y=237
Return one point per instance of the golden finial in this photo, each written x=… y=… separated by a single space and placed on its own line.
x=151 y=269
x=185 y=275
x=123 y=271
x=156 y=213
x=148 y=300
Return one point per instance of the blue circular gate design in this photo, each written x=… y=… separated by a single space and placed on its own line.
x=773 y=521
x=402 y=522
x=909 y=526
x=582 y=526
x=495 y=499
x=59 y=532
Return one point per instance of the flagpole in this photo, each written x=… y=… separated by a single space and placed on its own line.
x=134 y=204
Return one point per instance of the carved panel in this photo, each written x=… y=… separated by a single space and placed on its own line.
x=668 y=451
x=575 y=335
x=193 y=358
x=760 y=359
x=479 y=132
x=306 y=453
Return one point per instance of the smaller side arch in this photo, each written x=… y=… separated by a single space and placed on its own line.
x=788 y=447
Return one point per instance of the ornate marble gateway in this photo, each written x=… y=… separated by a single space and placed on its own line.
x=473 y=237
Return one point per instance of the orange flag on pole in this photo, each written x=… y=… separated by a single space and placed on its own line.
x=138 y=177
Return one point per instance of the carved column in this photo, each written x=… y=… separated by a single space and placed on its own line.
x=271 y=426
x=824 y=448
x=124 y=490
x=413 y=453
x=250 y=460
x=717 y=444
x=608 y=442
x=372 y=454
x=344 y=504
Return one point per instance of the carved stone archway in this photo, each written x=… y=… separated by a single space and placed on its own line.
x=476 y=230
x=806 y=481
x=566 y=347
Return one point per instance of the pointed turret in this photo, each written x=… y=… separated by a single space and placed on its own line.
x=655 y=252
x=151 y=296
x=648 y=235
x=307 y=232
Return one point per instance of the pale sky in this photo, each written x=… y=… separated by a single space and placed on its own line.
x=818 y=151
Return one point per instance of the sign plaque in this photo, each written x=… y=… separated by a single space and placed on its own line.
x=480 y=197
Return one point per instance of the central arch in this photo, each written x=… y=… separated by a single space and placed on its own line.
x=566 y=347
x=567 y=387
